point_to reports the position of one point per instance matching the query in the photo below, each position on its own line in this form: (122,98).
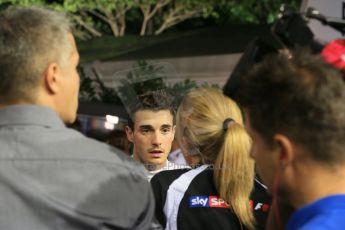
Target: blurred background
(130,46)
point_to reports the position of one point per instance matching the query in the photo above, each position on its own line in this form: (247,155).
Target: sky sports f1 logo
(207,202)
(216,202)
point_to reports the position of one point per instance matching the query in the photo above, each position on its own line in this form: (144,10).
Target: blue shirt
(325,214)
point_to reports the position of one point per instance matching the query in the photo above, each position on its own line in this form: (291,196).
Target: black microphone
(335,23)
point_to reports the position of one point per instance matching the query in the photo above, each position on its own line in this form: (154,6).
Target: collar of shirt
(29,115)
(325,205)
(150,174)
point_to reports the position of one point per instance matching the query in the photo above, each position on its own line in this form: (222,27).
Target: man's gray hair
(30,39)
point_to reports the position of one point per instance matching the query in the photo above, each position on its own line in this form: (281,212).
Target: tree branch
(98,15)
(159,5)
(148,13)
(87,27)
(175,17)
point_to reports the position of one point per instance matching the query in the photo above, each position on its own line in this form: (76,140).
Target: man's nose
(157,139)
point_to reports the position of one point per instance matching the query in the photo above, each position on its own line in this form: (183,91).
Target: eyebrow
(150,126)
(145,127)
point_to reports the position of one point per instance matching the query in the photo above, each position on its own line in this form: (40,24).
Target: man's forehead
(153,118)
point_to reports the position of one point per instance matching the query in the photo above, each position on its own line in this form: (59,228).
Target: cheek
(141,141)
(77,81)
(169,139)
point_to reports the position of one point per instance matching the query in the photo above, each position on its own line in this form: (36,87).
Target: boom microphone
(335,23)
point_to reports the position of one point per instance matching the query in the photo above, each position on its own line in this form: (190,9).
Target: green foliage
(23,2)
(144,77)
(97,17)
(141,78)
(251,11)
(26,2)
(178,90)
(93,89)
(181,10)
(102,5)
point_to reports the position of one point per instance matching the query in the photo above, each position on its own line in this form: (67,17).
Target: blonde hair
(200,120)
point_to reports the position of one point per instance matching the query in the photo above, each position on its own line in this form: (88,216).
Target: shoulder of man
(116,186)
(93,150)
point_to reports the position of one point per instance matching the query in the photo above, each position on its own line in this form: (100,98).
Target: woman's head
(200,120)
(210,125)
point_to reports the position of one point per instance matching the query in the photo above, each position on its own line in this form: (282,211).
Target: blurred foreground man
(52,177)
(295,114)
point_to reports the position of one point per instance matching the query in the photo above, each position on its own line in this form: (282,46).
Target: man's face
(70,85)
(263,156)
(152,137)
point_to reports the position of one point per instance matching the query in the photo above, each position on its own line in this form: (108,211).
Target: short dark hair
(301,97)
(152,100)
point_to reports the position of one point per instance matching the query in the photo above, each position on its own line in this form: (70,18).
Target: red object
(334,53)
(216,202)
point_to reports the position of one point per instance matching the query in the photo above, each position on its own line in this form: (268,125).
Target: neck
(18,102)
(151,167)
(315,182)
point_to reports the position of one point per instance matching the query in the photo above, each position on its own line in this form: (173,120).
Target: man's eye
(145,130)
(166,130)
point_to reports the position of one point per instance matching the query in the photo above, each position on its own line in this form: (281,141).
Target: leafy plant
(93,89)
(141,78)
(179,89)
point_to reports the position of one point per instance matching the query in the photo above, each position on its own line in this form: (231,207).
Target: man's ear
(285,150)
(51,78)
(129,133)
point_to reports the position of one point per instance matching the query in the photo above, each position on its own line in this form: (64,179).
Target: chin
(157,161)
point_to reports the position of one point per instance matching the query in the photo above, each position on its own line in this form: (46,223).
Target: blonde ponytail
(234,173)
(212,124)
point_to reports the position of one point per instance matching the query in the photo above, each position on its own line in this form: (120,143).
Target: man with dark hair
(52,177)
(295,114)
(151,129)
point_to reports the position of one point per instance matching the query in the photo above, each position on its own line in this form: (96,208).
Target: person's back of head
(301,97)
(35,42)
(295,112)
(210,124)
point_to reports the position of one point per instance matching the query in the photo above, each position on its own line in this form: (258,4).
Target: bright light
(112,119)
(109,125)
